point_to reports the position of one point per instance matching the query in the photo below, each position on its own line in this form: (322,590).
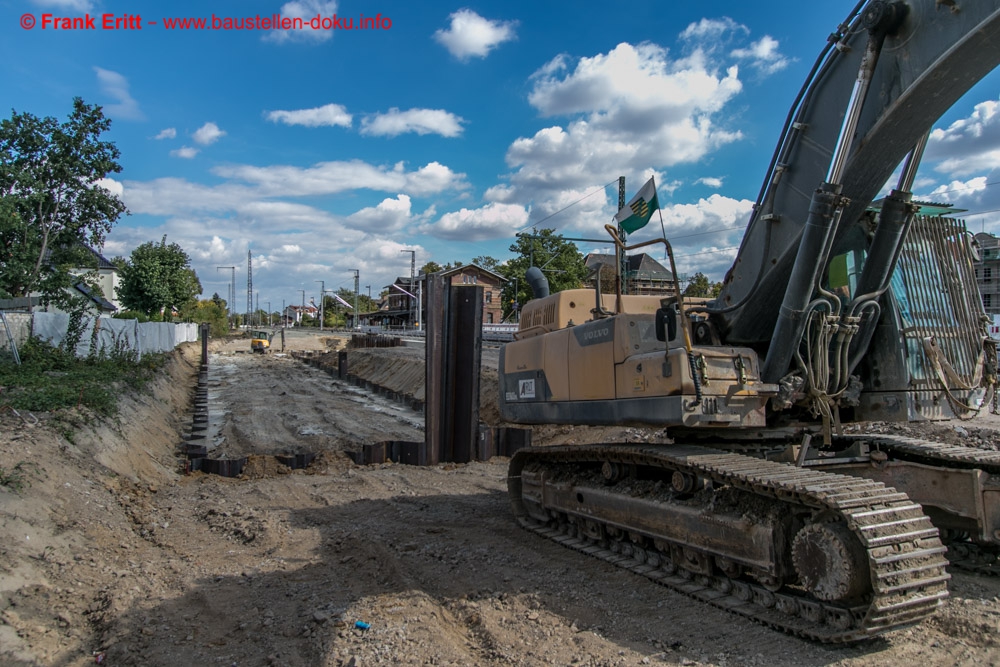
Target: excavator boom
(936,53)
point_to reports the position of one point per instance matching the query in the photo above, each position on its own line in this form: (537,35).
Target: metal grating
(935,287)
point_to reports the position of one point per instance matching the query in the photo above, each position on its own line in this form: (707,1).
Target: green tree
(560,261)
(214,313)
(158,277)
(219,301)
(430,267)
(700,286)
(51,200)
(487,262)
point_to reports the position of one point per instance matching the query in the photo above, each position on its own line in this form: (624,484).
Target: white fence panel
(50,327)
(112,333)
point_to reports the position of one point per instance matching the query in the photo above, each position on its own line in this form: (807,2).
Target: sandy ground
(112,556)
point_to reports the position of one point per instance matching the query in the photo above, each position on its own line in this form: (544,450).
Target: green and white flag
(637,213)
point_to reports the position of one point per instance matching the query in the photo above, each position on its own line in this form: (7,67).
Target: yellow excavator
(842,307)
(260,341)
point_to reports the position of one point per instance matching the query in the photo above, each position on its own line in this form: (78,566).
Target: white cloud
(585,209)
(705,235)
(293,244)
(389,216)
(712,30)
(712,213)
(710,181)
(421,121)
(968,145)
(186,152)
(328,115)
(167,133)
(639,77)
(208,134)
(432,178)
(112,186)
(305,10)
(963,194)
(115,85)
(332,177)
(472,35)
(176,196)
(763,56)
(491,221)
(638,108)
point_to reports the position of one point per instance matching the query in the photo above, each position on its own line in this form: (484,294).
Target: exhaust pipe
(537,281)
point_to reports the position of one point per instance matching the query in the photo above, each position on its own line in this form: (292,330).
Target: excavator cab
(260,341)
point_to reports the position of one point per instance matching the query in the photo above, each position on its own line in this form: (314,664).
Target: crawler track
(902,563)
(963,553)
(935,453)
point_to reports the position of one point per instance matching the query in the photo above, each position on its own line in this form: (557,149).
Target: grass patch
(49,378)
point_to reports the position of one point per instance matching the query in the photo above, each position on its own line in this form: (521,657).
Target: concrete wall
(20,329)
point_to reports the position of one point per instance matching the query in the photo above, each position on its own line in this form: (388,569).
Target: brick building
(405,297)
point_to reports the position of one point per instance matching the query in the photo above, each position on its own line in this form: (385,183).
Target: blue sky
(446,129)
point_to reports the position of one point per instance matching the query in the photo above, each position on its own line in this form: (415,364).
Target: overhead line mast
(249,287)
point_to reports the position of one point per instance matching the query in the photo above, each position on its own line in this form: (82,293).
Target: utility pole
(230,296)
(256,311)
(303,311)
(369,288)
(249,289)
(516,304)
(622,272)
(357,276)
(322,292)
(268,314)
(413,270)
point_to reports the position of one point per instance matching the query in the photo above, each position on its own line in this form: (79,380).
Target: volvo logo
(590,336)
(594,335)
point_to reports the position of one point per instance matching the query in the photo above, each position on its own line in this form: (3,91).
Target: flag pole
(663,230)
(659,210)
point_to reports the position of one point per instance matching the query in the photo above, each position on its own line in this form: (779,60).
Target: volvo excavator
(842,307)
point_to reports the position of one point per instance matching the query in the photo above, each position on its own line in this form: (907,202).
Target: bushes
(50,378)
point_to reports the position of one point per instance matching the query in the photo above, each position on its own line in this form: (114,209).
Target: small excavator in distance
(260,341)
(840,308)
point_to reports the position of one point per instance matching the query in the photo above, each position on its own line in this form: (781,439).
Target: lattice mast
(249,288)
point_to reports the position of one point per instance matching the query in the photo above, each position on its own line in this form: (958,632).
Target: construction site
(115,555)
(798,465)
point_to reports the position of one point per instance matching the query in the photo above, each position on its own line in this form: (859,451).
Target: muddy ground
(112,556)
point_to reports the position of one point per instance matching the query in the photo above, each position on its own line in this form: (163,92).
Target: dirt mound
(87,512)
(398,369)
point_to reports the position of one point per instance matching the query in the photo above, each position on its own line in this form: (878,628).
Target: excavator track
(899,576)
(983,559)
